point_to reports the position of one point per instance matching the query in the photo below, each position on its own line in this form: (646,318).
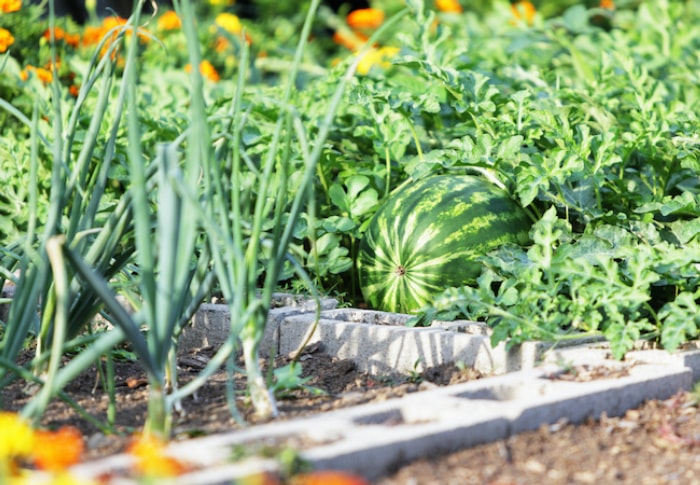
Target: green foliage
(587,117)
(288,378)
(625,284)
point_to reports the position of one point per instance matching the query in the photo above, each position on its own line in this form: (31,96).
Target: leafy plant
(288,378)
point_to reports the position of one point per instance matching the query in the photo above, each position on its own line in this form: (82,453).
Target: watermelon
(427,238)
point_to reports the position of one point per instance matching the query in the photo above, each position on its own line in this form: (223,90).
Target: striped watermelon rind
(427,237)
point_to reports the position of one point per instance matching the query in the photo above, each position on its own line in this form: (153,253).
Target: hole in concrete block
(386,418)
(366,316)
(505,393)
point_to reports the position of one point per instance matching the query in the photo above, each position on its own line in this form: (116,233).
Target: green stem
(387,183)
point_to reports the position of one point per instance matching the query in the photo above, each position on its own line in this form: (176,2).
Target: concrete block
(489,411)
(380,343)
(600,352)
(689,358)
(212,322)
(8,290)
(373,438)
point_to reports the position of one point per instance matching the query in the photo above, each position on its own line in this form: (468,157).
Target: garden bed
(412,410)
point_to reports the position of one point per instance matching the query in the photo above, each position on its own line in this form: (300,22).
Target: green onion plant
(46,310)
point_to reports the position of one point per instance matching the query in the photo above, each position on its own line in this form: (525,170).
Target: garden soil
(657,443)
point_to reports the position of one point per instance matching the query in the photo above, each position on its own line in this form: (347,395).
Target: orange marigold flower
(152,459)
(206,69)
(74,90)
(607,4)
(92,35)
(449,6)
(328,477)
(44,75)
(6,39)
(58,34)
(72,40)
(169,21)
(365,18)
(9,6)
(524,11)
(55,451)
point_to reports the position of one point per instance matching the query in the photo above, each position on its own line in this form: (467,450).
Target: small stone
(585,477)
(97,440)
(535,466)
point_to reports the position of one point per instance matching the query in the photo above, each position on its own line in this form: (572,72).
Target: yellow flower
(17,437)
(450,6)
(607,4)
(376,57)
(8,6)
(62,478)
(229,22)
(152,459)
(169,21)
(365,18)
(6,39)
(523,11)
(55,451)
(111,22)
(68,479)
(222,3)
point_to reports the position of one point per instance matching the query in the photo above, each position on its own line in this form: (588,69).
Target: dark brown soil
(659,442)
(331,384)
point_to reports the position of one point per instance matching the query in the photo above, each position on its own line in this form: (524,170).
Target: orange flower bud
(365,18)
